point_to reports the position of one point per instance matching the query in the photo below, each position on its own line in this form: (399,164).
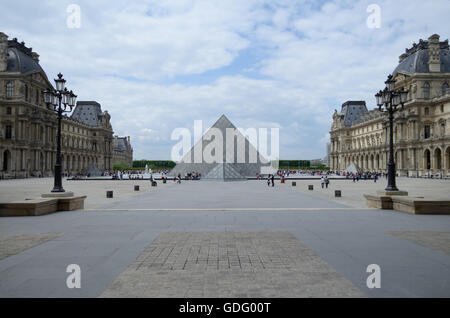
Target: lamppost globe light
(65,96)
(403,95)
(390,83)
(396,99)
(60,83)
(386,96)
(377,97)
(47,96)
(54,100)
(72,97)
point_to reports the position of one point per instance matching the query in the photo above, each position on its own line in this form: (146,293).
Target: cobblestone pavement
(229,264)
(15,244)
(439,241)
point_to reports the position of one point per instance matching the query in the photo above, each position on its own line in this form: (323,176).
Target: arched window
(9,89)
(444,88)
(426,90)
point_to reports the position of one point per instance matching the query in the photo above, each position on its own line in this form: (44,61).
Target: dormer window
(426,90)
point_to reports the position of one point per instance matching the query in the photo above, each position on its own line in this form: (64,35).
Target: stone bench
(378,201)
(32,207)
(41,206)
(420,205)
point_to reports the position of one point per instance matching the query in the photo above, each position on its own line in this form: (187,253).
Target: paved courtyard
(214,239)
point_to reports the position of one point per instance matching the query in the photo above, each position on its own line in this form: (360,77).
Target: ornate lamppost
(391,100)
(60,101)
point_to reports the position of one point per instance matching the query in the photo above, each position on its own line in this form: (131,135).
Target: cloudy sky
(158,65)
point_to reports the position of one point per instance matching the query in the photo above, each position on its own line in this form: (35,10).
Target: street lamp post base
(391,189)
(58,194)
(58,189)
(389,193)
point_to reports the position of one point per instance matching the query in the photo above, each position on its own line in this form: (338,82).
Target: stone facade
(421,130)
(123,152)
(28,129)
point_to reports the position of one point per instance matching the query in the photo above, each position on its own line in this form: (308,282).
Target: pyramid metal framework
(353,168)
(230,168)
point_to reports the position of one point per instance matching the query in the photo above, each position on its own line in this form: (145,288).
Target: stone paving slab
(229,264)
(95,190)
(15,244)
(353,192)
(438,241)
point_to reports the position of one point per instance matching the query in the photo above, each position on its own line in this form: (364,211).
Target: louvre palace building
(28,130)
(421,129)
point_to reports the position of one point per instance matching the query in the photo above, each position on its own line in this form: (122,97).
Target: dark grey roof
(20,59)
(415,59)
(87,112)
(120,144)
(352,111)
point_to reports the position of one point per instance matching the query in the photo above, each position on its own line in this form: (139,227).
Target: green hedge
(154,164)
(295,164)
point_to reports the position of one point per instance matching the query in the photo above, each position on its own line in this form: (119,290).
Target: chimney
(3,52)
(434,63)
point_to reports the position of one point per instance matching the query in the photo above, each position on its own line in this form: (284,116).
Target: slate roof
(415,59)
(87,112)
(20,59)
(120,144)
(352,112)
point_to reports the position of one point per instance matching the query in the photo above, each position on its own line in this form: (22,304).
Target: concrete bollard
(310,187)
(337,193)
(294,184)
(109,194)
(136,188)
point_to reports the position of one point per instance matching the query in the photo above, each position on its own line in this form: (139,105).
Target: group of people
(192,176)
(324,181)
(365,176)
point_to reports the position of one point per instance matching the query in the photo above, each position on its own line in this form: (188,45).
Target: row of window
(9,87)
(426,89)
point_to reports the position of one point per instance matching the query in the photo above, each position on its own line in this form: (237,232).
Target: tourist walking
(273,180)
(326,182)
(322,181)
(268,181)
